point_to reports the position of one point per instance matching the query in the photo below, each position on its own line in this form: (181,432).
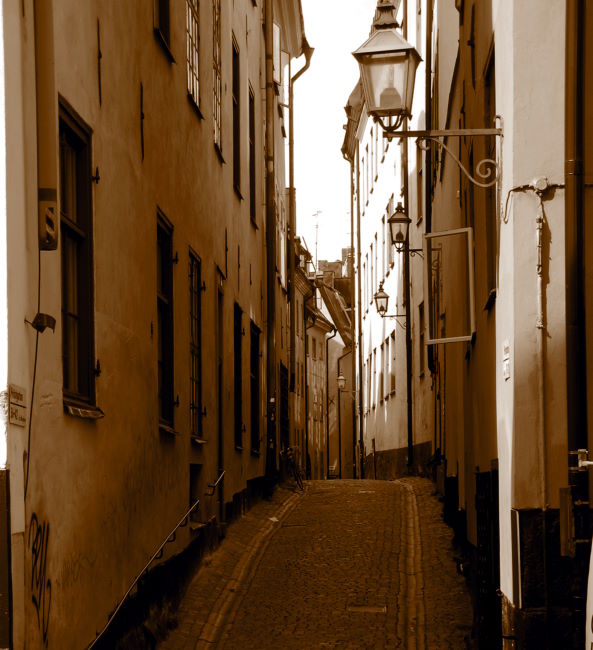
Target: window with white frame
(217,82)
(192,26)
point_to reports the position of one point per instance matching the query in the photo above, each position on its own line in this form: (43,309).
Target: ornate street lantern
(398,227)
(388,66)
(381,299)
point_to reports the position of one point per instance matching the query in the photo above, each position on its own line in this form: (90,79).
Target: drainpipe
(270,472)
(308,52)
(327,340)
(359,315)
(432,349)
(575,300)
(407,280)
(576,370)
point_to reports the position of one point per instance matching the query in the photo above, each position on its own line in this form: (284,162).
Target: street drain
(368,609)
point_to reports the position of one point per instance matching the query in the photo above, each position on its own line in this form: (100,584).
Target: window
(381,385)
(193,50)
(314,348)
(390,211)
(162,22)
(252,179)
(373,268)
(421,326)
(236,118)
(195,347)
(374,386)
(376,154)
(77,261)
(217,87)
(392,362)
(165,319)
(373,159)
(419,185)
(238,376)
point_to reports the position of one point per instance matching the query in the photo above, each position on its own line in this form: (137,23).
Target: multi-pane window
(162,21)
(381,377)
(254,380)
(165,319)
(238,371)
(217,87)
(252,179)
(77,262)
(392,362)
(195,346)
(236,118)
(192,25)
(421,326)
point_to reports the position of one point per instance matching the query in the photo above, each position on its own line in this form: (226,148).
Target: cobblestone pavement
(346,564)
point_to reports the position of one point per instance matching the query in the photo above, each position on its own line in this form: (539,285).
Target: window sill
(163,41)
(81,410)
(239,448)
(237,191)
(198,441)
(194,106)
(254,223)
(490,300)
(219,154)
(255,453)
(167,430)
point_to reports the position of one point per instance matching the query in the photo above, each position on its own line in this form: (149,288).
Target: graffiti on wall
(40,584)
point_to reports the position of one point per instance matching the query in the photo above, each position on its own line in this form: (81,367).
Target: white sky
(335,28)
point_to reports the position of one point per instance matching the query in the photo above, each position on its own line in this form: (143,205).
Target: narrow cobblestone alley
(346,564)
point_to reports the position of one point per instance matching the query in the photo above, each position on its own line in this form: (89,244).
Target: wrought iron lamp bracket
(485,168)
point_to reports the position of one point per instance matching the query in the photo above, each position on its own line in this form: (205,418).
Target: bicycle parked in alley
(291,466)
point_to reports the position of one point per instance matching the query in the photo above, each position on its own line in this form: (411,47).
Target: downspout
(308,52)
(352,323)
(270,471)
(407,280)
(576,374)
(305,328)
(343,356)
(432,349)
(327,340)
(576,369)
(359,303)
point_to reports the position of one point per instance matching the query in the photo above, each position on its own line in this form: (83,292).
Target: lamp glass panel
(385,78)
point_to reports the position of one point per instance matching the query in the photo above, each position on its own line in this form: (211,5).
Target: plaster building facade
(499,307)
(143,310)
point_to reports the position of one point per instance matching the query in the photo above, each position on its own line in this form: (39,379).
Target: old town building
(144,326)
(496,305)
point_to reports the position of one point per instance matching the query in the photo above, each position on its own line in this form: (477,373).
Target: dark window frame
(196,414)
(252,160)
(236,100)
(217,75)
(254,386)
(162,26)
(78,229)
(165,326)
(238,374)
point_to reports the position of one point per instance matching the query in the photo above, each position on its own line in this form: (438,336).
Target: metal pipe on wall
(327,340)
(270,471)
(308,52)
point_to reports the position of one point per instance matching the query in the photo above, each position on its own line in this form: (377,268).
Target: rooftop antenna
(316,216)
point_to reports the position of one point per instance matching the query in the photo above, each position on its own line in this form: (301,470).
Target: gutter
(327,340)
(308,52)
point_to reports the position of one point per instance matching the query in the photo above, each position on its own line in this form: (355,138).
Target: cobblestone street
(346,564)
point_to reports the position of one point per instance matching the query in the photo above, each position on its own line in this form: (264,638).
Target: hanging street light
(388,65)
(381,299)
(398,227)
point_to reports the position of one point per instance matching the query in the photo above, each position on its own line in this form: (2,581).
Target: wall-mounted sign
(17,405)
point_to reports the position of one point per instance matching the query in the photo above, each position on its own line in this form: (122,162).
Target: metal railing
(213,486)
(156,555)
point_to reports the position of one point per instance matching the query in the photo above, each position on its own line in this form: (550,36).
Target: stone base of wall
(550,590)
(393,463)
(144,618)
(5,571)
